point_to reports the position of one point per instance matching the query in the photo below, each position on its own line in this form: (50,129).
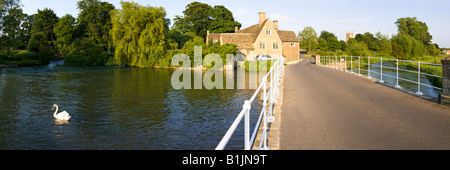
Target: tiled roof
(287,36)
(245,38)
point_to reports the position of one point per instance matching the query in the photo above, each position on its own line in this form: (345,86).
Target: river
(392,80)
(113,108)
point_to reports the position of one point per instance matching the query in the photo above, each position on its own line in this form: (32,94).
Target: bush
(86,53)
(358,49)
(38,43)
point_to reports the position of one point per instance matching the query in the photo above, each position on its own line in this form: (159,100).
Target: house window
(292,44)
(275,45)
(262,45)
(267,32)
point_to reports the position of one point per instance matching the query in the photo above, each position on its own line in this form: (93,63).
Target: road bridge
(326,108)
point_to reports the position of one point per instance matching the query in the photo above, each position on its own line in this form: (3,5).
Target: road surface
(325,108)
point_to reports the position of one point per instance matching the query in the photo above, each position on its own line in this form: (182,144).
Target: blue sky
(335,16)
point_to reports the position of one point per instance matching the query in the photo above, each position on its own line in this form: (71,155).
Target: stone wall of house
(269,41)
(291,52)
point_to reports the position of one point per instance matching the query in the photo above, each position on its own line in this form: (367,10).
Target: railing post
(418,81)
(351,64)
(381,71)
(263,137)
(335,62)
(397,86)
(345,63)
(247,125)
(359,65)
(368,64)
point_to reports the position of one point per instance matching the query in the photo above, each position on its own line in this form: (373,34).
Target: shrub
(84,52)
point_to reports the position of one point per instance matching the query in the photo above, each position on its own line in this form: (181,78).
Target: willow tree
(139,34)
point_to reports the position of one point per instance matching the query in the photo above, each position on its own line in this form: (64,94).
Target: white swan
(61,116)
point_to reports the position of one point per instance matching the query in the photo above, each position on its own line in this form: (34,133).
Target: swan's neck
(56,111)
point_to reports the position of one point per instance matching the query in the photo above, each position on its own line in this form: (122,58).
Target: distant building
(348,36)
(261,38)
(446,51)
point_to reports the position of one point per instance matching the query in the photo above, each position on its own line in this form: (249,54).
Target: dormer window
(267,32)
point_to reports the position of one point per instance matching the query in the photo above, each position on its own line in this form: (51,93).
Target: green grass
(254,65)
(20,57)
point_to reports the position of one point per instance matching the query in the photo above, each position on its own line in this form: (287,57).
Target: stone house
(446,51)
(261,38)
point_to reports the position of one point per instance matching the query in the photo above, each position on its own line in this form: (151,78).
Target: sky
(336,16)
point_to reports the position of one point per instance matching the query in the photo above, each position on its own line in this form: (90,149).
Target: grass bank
(21,58)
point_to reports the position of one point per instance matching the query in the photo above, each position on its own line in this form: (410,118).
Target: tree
(222,20)
(44,21)
(39,43)
(383,44)
(356,48)
(5,5)
(94,22)
(331,39)
(85,52)
(64,31)
(25,30)
(411,47)
(11,27)
(308,38)
(139,34)
(196,19)
(417,29)
(323,44)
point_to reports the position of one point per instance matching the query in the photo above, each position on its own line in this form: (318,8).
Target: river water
(113,108)
(389,77)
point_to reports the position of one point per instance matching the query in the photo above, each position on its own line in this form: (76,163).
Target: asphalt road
(325,108)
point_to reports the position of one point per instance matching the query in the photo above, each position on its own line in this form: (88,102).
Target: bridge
(325,108)
(331,109)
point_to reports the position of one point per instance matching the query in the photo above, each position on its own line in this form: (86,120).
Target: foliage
(25,31)
(331,39)
(179,37)
(308,38)
(44,21)
(94,22)
(11,27)
(7,6)
(410,47)
(39,43)
(199,17)
(368,39)
(64,31)
(222,20)
(384,44)
(85,52)
(322,44)
(196,19)
(20,57)
(417,29)
(356,48)
(139,34)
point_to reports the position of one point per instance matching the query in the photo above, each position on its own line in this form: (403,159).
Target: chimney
(236,29)
(275,25)
(262,17)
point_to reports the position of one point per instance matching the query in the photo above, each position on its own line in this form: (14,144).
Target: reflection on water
(113,108)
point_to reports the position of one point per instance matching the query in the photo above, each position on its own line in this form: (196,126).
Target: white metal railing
(352,63)
(269,96)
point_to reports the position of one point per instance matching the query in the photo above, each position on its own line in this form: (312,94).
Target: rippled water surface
(112,108)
